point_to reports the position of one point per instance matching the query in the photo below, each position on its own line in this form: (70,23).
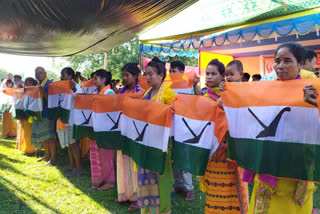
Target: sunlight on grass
(28,187)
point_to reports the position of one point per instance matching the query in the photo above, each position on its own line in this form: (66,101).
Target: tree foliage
(52,75)
(117,58)
(3,73)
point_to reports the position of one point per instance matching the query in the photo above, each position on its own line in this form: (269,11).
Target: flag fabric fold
(106,113)
(143,83)
(145,130)
(88,86)
(17,100)
(179,83)
(32,102)
(196,136)
(6,99)
(82,116)
(59,101)
(272,130)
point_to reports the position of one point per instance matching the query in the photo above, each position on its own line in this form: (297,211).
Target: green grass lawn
(28,187)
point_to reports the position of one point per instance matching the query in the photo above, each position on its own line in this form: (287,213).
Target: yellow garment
(307,74)
(25,144)
(165,95)
(9,126)
(85,147)
(281,200)
(43,83)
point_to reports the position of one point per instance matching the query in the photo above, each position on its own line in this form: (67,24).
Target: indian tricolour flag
(199,125)
(145,130)
(88,86)
(272,130)
(179,83)
(32,102)
(107,111)
(17,99)
(82,116)
(6,99)
(59,101)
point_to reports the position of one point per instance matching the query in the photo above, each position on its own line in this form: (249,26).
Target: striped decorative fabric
(145,129)
(82,116)
(196,135)
(32,102)
(59,101)
(272,130)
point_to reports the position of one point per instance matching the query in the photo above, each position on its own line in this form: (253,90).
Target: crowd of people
(225,183)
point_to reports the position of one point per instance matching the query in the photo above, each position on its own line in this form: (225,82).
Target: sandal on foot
(106,186)
(190,196)
(133,207)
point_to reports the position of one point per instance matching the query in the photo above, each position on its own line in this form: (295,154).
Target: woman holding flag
(64,130)
(283,195)
(154,193)
(127,182)
(225,190)
(102,164)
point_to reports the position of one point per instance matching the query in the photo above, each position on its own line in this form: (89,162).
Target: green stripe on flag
(281,159)
(20,114)
(81,132)
(145,156)
(108,140)
(56,112)
(36,114)
(190,158)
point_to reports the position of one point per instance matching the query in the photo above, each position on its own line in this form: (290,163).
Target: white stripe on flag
(32,104)
(155,136)
(66,101)
(242,123)
(182,90)
(88,90)
(181,132)
(18,103)
(102,123)
(81,117)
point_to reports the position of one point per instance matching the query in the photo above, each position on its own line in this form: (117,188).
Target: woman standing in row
(154,194)
(127,181)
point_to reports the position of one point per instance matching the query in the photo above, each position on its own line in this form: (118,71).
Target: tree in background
(117,58)
(3,73)
(52,75)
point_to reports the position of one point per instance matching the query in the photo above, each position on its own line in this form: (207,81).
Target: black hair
(9,81)
(238,64)
(218,64)
(257,76)
(104,74)
(246,75)
(309,54)
(17,76)
(69,71)
(296,49)
(92,75)
(159,66)
(132,68)
(178,64)
(30,79)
